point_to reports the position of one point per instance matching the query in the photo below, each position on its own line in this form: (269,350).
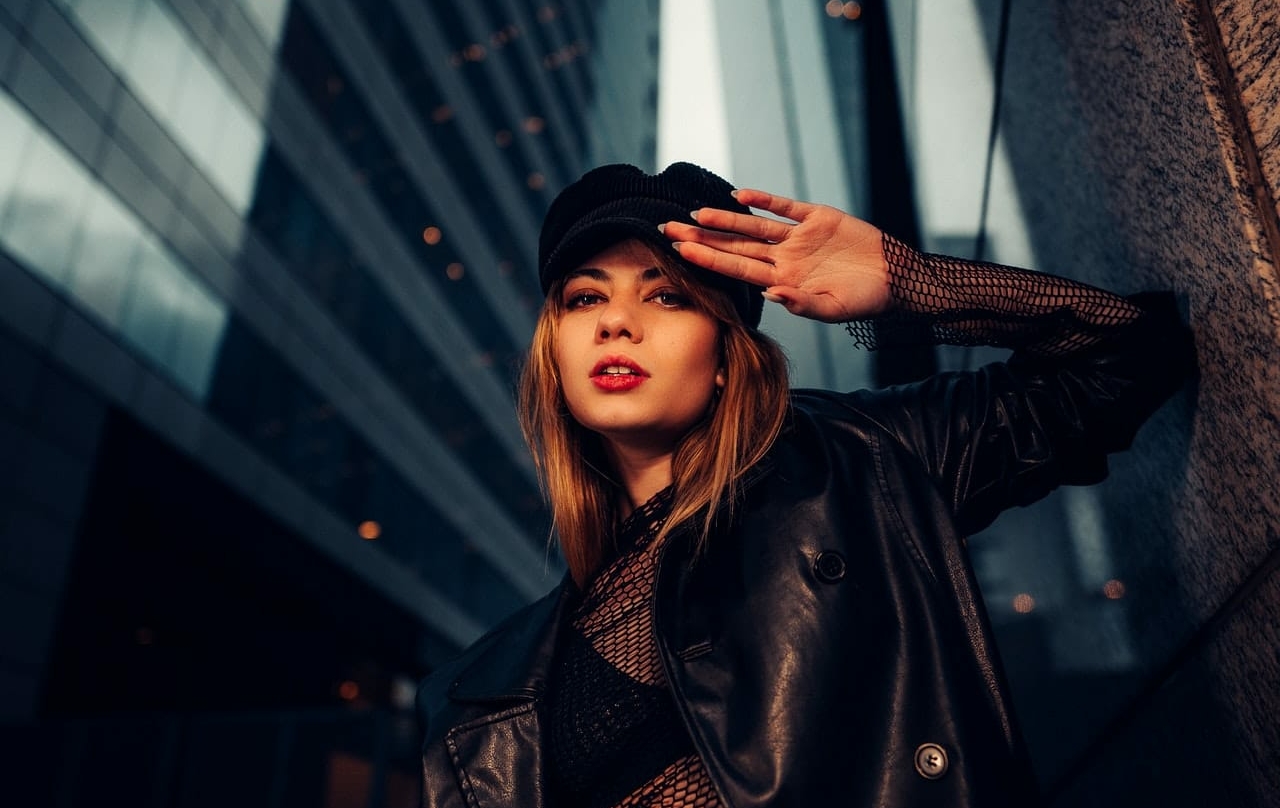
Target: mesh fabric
(939,300)
(615,738)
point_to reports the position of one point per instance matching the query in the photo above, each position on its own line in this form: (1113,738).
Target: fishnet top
(939,300)
(615,738)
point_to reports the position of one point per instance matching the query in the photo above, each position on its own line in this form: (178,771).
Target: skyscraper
(266,270)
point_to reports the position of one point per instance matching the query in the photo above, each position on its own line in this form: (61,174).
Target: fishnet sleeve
(939,300)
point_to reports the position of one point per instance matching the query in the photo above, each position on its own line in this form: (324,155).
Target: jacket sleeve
(1088,369)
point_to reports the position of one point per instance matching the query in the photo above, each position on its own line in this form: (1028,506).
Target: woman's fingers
(751,270)
(760,228)
(785,207)
(746,224)
(718,240)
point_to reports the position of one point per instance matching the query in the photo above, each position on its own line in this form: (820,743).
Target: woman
(768,600)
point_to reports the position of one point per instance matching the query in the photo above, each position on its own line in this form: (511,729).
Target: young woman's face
(638,364)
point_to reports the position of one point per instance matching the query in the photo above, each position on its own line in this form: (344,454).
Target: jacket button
(931,761)
(829,566)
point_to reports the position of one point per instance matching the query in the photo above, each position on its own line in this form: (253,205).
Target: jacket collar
(512,662)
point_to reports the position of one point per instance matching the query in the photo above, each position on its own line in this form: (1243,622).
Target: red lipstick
(617,373)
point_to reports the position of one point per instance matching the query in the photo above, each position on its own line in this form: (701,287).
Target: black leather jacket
(830,646)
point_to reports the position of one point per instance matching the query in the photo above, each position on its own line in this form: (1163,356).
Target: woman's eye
(579,299)
(672,300)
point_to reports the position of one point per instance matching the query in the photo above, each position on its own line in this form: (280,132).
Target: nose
(619,320)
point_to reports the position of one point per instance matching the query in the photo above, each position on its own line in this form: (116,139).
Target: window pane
(105,256)
(156,61)
(237,156)
(200,325)
(110,26)
(222,137)
(40,223)
(198,114)
(154,299)
(15,133)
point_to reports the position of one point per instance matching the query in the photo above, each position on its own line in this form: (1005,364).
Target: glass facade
(266,273)
(160,64)
(62,223)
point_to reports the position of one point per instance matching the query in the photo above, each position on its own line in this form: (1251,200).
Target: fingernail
(675,245)
(662,228)
(772,298)
(693,214)
(734,193)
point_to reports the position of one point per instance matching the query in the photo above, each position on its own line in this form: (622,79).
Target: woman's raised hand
(823,264)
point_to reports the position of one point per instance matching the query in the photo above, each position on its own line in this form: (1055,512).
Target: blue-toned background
(267,270)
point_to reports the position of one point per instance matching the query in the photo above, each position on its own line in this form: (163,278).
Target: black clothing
(614,737)
(829,647)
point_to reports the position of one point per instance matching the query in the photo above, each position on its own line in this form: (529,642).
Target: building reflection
(267,273)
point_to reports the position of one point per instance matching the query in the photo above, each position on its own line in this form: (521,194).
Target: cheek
(570,381)
(707,359)
(561,354)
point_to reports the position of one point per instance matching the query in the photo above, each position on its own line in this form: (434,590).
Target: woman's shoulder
(879,416)
(864,406)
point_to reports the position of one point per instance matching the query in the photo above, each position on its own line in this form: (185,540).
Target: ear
(721,379)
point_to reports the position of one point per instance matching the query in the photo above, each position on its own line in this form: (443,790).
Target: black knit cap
(617,202)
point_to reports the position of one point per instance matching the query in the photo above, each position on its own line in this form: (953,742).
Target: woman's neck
(641,473)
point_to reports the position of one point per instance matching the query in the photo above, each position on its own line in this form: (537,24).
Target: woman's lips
(618,381)
(617,373)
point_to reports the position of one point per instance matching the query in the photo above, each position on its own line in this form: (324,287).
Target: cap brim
(579,246)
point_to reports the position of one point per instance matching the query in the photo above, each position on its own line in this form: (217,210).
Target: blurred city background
(267,268)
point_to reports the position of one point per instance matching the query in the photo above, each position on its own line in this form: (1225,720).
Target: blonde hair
(709,460)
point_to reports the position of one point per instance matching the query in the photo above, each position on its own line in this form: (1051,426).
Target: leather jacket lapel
(497,755)
(516,668)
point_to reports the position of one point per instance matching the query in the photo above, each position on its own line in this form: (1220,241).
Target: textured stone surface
(1237,52)
(1132,175)
(1250,32)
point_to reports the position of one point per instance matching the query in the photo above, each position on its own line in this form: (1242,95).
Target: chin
(633,431)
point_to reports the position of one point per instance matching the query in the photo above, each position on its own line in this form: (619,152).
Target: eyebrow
(596,274)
